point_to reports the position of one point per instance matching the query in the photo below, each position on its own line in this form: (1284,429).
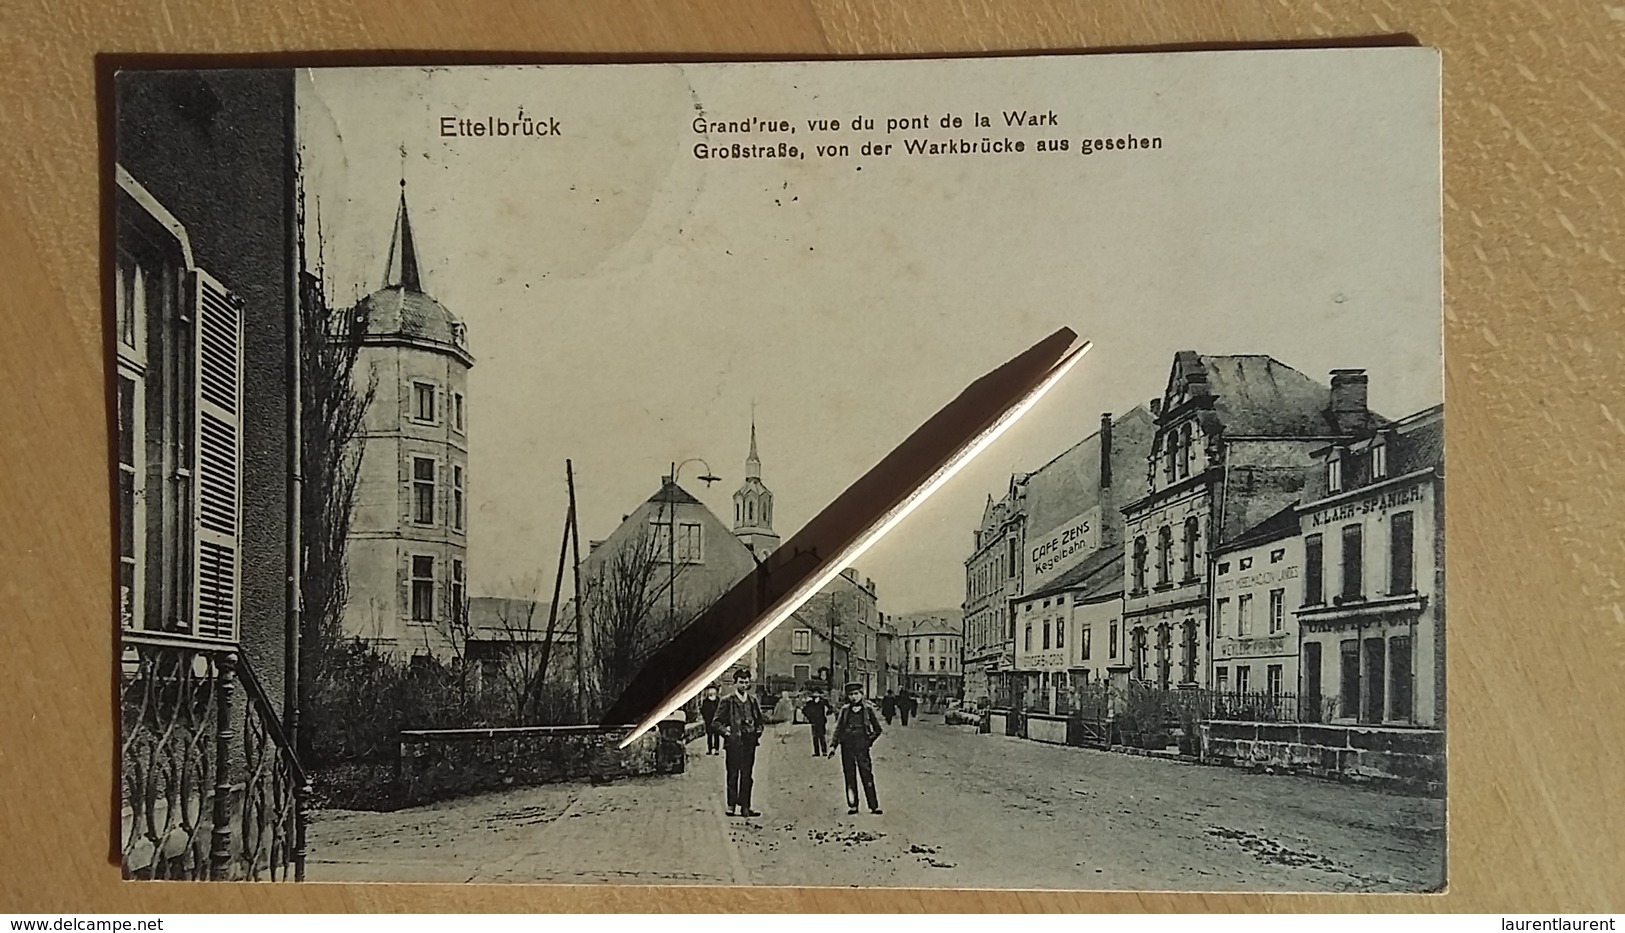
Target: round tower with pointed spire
(753,505)
(406,563)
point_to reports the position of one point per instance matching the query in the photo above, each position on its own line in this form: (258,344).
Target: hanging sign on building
(1061,549)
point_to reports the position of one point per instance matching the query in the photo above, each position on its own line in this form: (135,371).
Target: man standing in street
(856,728)
(905,705)
(739,716)
(817,712)
(708,712)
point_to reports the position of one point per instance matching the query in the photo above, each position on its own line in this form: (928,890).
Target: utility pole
(832,625)
(581,631)
(671,551)
(553,607)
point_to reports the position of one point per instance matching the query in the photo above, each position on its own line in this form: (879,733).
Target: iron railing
(1185,705)
(211,788)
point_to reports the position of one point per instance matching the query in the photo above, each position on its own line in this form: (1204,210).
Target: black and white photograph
(447,396)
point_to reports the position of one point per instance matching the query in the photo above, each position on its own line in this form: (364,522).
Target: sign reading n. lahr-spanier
(1059,550)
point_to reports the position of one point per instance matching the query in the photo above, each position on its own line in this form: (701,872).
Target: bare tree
(525,648)
(333,404)
(630,611)
(454,632)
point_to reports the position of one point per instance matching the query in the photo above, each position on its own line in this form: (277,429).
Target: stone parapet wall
(1406,759)
(435,764)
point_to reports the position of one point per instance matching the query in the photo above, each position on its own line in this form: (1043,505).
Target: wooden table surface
(1535,302)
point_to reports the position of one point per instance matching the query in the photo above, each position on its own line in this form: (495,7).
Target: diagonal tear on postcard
(447,396)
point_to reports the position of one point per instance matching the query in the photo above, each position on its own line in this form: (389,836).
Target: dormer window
(1334,472)
(1379,459)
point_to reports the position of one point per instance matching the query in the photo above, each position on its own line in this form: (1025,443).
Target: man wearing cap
(739,718)
(817,711)
(856,728)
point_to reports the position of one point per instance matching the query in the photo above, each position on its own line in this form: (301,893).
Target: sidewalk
(666,829)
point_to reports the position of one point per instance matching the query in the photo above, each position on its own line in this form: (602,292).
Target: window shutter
(218,449)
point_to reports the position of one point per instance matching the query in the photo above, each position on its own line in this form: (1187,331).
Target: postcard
(448,395)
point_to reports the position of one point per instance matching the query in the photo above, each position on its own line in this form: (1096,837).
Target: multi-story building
(931,648)
(992,579)
(1257,589)
(1372,612)
(1233,446)
(407,559)
(890,658)
(1066,631)
(205,285)
(837,633)
(1072,504)
(666,561)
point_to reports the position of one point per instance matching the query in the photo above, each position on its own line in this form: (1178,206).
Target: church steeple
(753,463)
(402,270)
(753,504)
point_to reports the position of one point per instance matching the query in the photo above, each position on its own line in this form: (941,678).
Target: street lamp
(671,531)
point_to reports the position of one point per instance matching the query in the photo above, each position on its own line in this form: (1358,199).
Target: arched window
(750,510)
(767,511)
(1165,646)
(1171,451)
(1185,451)
(739,512)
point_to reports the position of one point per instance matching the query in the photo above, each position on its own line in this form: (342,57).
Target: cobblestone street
(961,810)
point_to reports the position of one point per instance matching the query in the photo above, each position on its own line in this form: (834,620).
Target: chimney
(1105,450)
(1349,398)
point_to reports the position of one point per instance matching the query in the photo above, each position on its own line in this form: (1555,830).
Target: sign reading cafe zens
(1059,550)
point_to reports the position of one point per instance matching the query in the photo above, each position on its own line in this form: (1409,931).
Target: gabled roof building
(1233,446)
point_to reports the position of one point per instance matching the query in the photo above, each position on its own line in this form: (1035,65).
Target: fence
(210,786)
(1084,701)
(1270,707)
(1148,704)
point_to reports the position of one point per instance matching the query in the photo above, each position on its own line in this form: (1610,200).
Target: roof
(1283,524)
(1258,395)
(401,308)
(396,310)
(671,492)
(935,625)
(1418,441)
(506,619)
(1414,443)
(1095,576)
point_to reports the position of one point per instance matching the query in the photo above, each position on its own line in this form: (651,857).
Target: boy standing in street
(856,728)
(817,712)
(739,717)
(708,712)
